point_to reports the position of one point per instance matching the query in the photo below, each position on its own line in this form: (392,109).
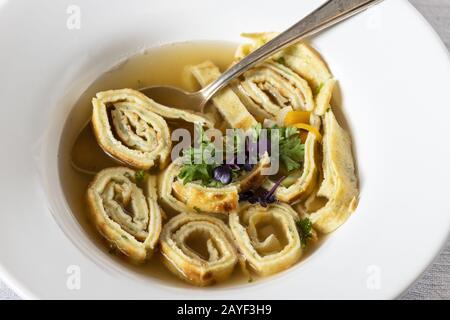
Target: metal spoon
(327,15)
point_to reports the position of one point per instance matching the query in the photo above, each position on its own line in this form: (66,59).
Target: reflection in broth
(87,156)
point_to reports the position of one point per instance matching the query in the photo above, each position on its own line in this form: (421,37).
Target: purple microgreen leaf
(253,200)
(222,174)
(270,194)
(245,196)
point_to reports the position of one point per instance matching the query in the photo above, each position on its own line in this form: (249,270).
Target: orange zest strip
(293,117)
(309,128)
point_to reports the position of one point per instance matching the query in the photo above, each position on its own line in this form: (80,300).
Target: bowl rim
(11,280)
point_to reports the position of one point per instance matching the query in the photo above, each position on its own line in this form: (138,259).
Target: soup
(204,223)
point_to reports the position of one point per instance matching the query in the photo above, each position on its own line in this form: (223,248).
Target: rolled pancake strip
(265,252)
(306,62)
(193,197)
(303,60)
(126,215)
(226,101)
(178,239)
(324,96)
(306,183)
(340,184)
(131,127)
(271,87)
(303,185)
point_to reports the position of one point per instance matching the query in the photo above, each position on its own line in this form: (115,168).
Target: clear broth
(165,65)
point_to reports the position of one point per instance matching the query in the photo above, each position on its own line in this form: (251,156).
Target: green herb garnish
(291,149)
(304,228)
(139,176)
(197,210)
(318,89)
(194,167)
(281,60)
(194,172)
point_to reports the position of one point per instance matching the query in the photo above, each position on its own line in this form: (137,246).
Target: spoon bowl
(175,97)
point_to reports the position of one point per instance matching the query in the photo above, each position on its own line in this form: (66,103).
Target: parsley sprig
(193,170)
(304,228)
(139,176)
(291,148)
(196,172)
(291,154)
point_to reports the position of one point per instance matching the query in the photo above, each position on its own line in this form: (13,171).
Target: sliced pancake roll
(198,248)
(131,127)
(339,186)
(300,183)
(307,63)
(123,206)
(301,59)
(195,197)
(270,87)
(226,101)
(267,237)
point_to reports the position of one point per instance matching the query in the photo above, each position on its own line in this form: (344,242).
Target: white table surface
(435,282)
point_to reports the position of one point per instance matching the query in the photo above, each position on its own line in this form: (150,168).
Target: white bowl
(393,74)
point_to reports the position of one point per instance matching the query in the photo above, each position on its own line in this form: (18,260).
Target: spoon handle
(329,14)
